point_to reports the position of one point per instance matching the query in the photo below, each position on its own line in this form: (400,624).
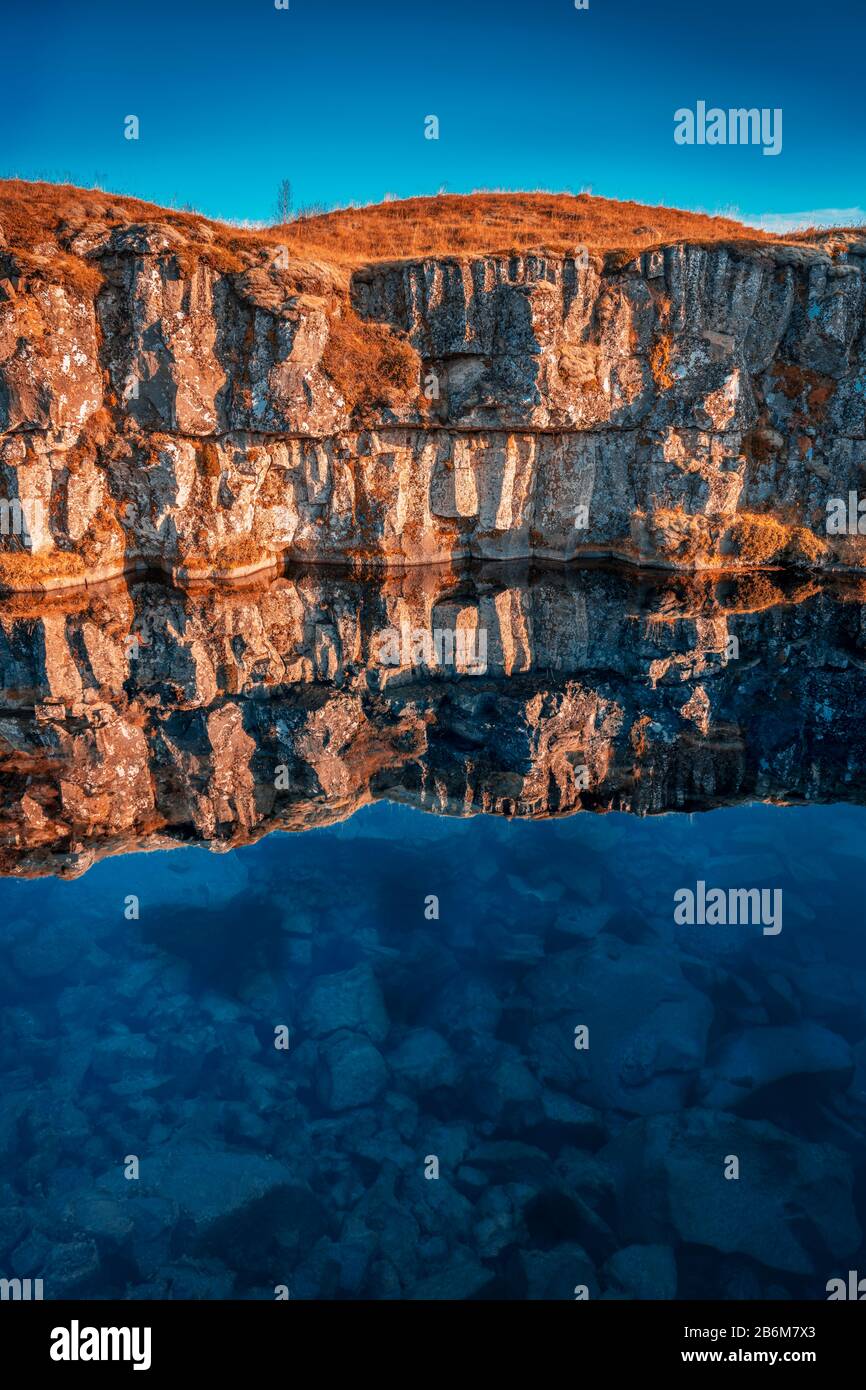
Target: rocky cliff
(173,400)
(140,716)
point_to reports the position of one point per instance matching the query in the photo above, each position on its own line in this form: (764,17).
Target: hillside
(40,220)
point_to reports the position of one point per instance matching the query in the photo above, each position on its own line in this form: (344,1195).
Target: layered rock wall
(698,406)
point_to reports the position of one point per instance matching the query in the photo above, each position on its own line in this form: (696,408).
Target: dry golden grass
(370,366)
(21,569)
(479,223)
(763,539)
(704,595)
(37,218)
(224,556)
(758,538)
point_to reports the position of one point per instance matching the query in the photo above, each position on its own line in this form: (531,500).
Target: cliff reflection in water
(141,717)
(432,969)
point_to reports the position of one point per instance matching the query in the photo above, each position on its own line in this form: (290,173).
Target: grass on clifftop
(479,223)
(37,218)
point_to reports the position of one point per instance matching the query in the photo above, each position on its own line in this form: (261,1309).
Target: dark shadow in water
(225,950)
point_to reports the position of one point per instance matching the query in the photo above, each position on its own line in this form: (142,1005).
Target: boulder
(424,1061)
(228,1200)
(351,1071)
(758,1057)
(791,1208)
(560,1273)
(642,1271)
(349,1000)
(647,1026)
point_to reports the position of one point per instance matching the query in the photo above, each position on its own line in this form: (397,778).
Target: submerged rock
(351,1000)
(642,1271)
(762,1056)
(351,1071)
(423,1061)
(647,1027)
(563,1273)
(230,1199)
(791,1198)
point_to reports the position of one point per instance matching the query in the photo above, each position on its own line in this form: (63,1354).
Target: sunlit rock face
(697,407)
(139,715)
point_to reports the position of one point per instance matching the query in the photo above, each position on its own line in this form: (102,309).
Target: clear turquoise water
(414,1037)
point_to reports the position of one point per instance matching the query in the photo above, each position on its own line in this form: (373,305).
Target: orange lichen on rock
(660,361)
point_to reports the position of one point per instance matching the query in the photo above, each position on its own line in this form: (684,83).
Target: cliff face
(162,405)
(138,716)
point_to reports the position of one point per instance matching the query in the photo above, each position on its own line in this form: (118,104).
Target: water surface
(509,1071)
(451,1038)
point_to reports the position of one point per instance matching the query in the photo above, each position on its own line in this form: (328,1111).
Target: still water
(465,1051)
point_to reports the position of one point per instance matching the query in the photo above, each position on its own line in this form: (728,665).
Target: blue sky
(234,95)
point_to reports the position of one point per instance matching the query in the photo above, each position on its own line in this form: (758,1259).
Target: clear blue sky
(234,95)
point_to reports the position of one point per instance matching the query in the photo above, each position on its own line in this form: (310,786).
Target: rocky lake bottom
(337,963)
(332,1092)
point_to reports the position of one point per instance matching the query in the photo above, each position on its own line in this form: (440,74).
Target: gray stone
(351,999)
(561,1273)
(792,1198)
(423,1061)
(229,1199)
(642,1272)
(464,1277)
(647,1027)
(761,1056)
(351,1071)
